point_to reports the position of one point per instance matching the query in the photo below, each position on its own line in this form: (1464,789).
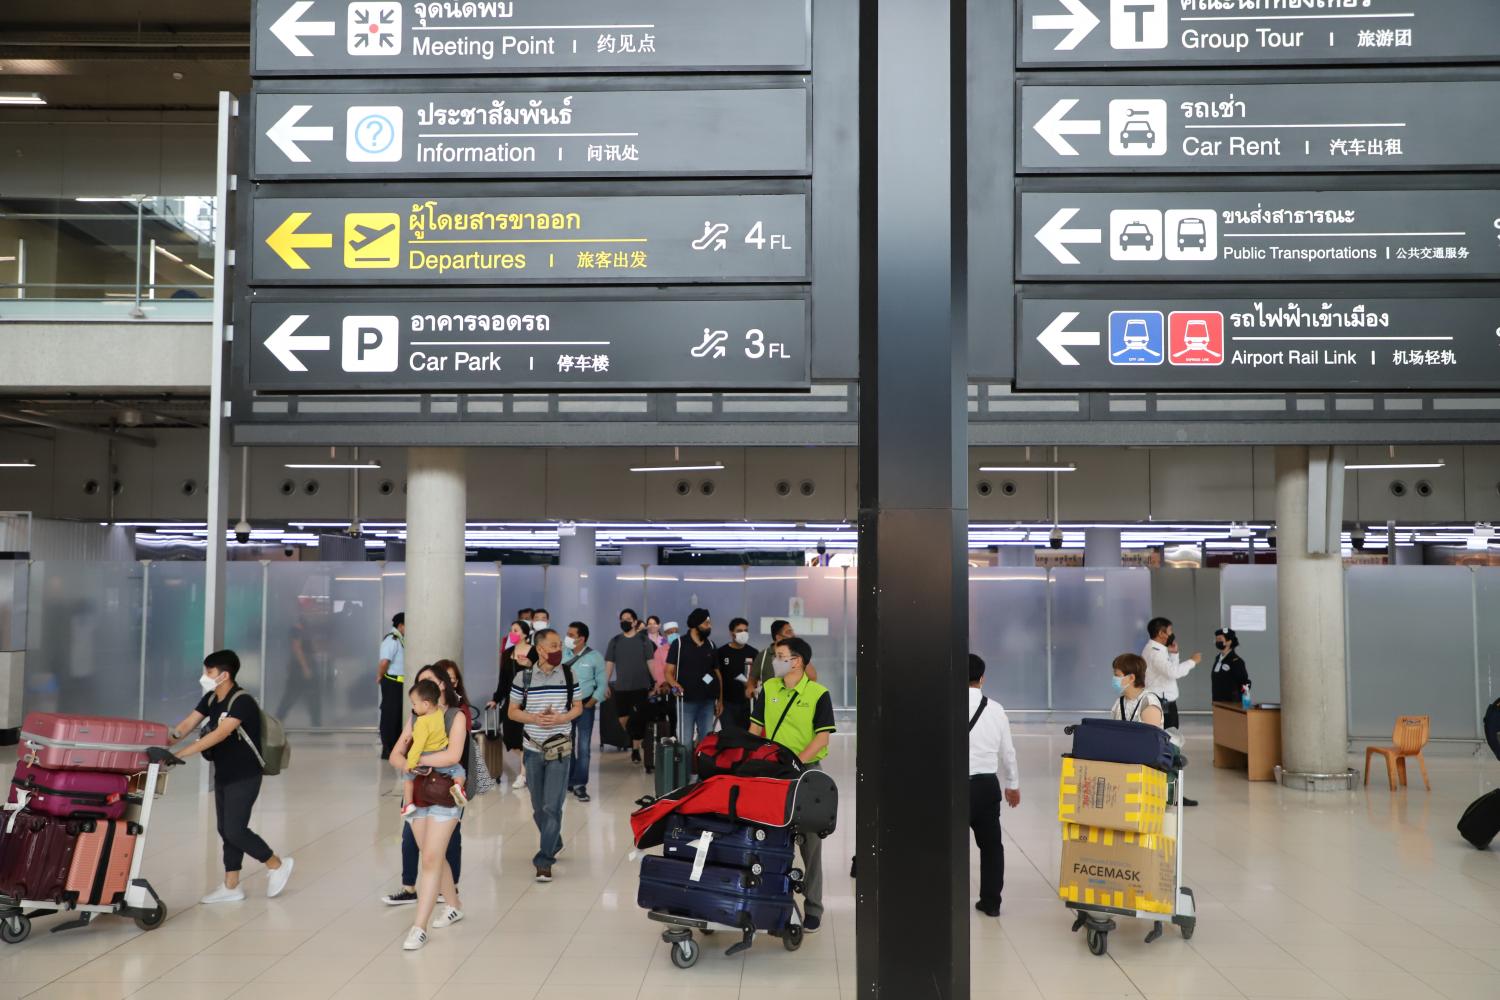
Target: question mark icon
(374,134)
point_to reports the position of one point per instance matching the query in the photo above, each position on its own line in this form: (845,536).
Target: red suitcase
(101,861)
(97,794)
(88,742)
(36,856)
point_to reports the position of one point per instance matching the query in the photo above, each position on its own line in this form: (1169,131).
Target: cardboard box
(1099,794)
(1127,871)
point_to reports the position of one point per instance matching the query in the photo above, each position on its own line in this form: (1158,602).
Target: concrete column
(569,583)
(1310,599)
(1101,547)
(436,509)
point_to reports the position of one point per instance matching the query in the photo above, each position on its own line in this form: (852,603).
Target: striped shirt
(548,688)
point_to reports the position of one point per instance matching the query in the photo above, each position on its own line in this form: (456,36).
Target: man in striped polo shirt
(545,699)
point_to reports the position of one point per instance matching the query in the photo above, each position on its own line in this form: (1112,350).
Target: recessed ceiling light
(717,466)
(1028,468)
(24,463)
(15,98)
(333,465)
(1395,465)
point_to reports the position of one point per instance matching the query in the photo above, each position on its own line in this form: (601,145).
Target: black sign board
(529,344)
(1326,126)
(1247,32)
(1140,342)
(382,37)
(1260,235)
(532,239)
(703,131)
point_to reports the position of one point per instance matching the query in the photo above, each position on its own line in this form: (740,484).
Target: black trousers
(984,820)
(392,714)
(1170,718)
(233,802)
(411,857)
(302,690)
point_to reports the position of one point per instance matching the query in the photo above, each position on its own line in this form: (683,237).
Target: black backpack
(1492,727)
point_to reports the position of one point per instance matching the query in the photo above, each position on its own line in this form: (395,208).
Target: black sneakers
(403,897)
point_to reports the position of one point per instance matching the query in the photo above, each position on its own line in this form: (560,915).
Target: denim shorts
(442,814)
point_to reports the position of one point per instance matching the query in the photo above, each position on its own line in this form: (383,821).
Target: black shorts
(629,703)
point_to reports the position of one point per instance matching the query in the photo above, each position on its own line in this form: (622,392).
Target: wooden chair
(1409,737)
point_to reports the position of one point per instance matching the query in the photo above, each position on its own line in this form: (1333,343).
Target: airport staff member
(992,757)
(796,711)
(1230,677)
(1163,668)
(392,674)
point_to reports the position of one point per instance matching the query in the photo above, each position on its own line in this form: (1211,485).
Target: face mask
(538,624)
(1220,646)
(553,659)
(626,626)
(569,643)
(742,637)
(782,667)
(705,632)
(207,683)
(1119,683)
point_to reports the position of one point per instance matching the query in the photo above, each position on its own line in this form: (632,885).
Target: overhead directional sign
(529,343)
(534,239)
(381,37)
(1260,235)
(1141,342)
(1249,32)
(1326,126)
(703,131)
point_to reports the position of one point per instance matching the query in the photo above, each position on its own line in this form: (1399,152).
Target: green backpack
(274,753)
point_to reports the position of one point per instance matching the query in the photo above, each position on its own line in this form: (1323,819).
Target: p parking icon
(371,343)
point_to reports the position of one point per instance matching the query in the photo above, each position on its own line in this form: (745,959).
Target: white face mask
(538,624)
(569,643)
(782,667)
(207,683)
(742,637)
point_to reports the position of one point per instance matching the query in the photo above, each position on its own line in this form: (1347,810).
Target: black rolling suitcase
(611,732)
(1492,727)
(1123,742)
(1481,821)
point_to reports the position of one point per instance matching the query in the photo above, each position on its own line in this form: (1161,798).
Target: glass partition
(1487,632)
(84,638)
(1254,586)
(1008,626)
(1096,615)
(324,623)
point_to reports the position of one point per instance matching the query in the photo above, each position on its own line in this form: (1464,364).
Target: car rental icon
(1135,234)
(1138,132)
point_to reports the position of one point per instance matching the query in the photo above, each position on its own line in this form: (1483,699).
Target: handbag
(557,747)
(429,788)
(478,779)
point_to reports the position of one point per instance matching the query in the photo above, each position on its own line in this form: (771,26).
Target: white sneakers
(520,783)
(278,878)
(448,917)
(224,894)
(415,939)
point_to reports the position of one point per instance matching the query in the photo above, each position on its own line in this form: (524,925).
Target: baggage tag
(701,846)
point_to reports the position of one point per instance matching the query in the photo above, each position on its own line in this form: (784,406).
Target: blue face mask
(1119,683)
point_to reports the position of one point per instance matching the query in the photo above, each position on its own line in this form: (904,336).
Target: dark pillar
(912,915)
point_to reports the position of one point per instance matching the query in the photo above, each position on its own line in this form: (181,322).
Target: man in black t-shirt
(231,739)
(736,663)
(693,670)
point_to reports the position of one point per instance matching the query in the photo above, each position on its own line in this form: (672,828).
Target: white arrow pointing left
(1077,22)
(285,341)
(291,29)
(1057,338)
(1055,235)
(1054,125)
(286,133)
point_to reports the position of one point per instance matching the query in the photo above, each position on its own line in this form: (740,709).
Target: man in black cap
(693,671)
(392,674)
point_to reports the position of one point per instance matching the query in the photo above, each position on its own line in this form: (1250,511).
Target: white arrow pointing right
(1055,235)
(290,28)
(285,341)
(286,133)
(1054,125)
(1057,338)
(1077,22)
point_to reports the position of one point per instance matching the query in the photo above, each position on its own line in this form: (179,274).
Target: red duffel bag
(736,752)
(809,802)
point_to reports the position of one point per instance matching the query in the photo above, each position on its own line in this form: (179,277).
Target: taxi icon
(1136,234)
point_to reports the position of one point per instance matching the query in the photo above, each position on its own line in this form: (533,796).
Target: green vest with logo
(789,713)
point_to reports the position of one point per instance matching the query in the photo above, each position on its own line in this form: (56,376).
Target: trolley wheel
(1098,941)
(152,919)
(15,928)
(1188,926)
(685,953)
(791,938)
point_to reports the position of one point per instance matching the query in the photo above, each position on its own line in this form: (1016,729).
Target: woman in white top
(1134,703)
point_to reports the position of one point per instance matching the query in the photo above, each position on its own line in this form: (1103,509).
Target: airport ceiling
(125,55)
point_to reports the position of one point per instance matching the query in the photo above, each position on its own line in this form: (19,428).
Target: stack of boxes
(1115,851)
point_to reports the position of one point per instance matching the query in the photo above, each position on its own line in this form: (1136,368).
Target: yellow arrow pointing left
(286,241)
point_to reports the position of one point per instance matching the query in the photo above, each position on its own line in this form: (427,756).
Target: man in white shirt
(1164,670)
(992,756)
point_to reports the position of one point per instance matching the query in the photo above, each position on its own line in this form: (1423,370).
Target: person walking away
(736,664)
(693,671)
(309,653)
(992,767)
(432,827)
(511,732)
(1230,676)
(1164,669)
(628,677)
(587,667)
(796,711)
(765,663)
(392,674)
(230,740)
(544,698)
(410,856)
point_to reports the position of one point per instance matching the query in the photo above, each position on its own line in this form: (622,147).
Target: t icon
(371,343)
(1138,24)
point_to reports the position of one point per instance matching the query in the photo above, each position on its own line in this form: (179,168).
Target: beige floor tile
(85,991)
(1279,983)
(1455,986)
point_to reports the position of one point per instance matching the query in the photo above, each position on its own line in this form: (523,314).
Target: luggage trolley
(1097,921)
(140,903)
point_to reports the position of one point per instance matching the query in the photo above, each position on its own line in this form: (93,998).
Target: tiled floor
(1362,896)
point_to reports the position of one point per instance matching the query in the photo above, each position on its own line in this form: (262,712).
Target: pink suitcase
(101,862)
(65,794)
(88,742)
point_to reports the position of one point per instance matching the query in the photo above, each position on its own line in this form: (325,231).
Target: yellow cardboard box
(1129,797)
(1128,871)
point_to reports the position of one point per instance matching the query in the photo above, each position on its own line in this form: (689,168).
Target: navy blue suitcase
(1124,743)
(721,895)
(758,849)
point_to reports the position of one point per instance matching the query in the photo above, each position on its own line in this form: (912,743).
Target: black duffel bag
(1123,743)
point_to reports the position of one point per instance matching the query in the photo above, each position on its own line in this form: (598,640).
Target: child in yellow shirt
(428,735)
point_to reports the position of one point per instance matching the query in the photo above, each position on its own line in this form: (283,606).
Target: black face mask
(705,632)
(626,626)
(1220,646)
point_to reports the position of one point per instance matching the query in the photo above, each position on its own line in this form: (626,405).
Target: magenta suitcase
(88,742)
(36,856)
(67,794)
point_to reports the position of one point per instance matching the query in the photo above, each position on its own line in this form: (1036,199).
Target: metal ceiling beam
(57,425)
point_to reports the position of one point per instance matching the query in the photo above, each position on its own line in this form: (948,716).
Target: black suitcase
(611,732)
(759,850)
(728,896)
(1492,727)
(1123,743)
(1481,821)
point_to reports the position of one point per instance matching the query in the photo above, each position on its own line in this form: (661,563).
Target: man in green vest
(796,711)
